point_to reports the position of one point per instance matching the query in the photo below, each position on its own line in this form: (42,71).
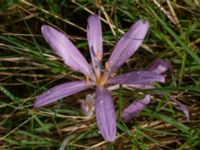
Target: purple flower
(158,66)
(125,48)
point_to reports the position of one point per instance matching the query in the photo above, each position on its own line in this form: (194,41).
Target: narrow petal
(159,66)
(137,78)
(64,48)
(94,36)
(105,114)
(140,86)
(135,108)
(61,91)
(128,44)
(182,107)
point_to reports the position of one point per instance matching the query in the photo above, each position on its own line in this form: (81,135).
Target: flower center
(101,80)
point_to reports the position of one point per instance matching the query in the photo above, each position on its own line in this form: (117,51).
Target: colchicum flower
(158,66)
(94,76)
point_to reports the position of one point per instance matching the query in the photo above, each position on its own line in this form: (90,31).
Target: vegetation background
(28,67)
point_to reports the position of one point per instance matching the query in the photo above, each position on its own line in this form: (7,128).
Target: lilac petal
(128,45)
(181,107)
(61,91)
(140,86)
(105,114)
(159,66)
(64,48)
(137,78)
(135,108)
(94,36)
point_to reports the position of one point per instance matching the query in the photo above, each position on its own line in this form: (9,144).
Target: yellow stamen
(113,74)
(98,56)
(107,66)
(87,80)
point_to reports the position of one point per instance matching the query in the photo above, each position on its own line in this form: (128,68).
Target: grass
(28,67)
